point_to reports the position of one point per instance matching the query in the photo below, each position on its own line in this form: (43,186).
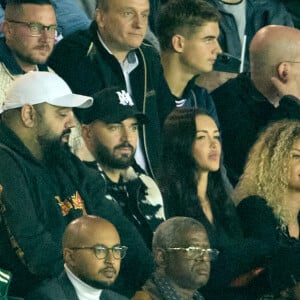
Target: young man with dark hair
(188,31)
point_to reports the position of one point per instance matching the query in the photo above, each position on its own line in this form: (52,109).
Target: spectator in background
(52,188)
(92,253)
(110,129)
(70,17)
(268,201)
(182,254)
(187,31)
(293,8)
(246,104)
(112,53)
(241,19)
(29,30)
(244,18)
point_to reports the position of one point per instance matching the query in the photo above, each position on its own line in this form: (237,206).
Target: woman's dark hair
(177,177)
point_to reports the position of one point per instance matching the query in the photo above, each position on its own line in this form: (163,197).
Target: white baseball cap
(39,87)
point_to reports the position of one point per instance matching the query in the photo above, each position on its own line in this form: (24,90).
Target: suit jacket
(61,288)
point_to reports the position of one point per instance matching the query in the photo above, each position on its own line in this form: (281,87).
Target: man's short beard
(104,157)
(97,284)
(31,60)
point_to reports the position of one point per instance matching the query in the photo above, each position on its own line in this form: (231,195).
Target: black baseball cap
(111,105)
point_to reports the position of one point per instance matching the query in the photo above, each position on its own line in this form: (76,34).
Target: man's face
(184,271)
(200,50)
(123,25)
(98,273)
(30,50)
(53,129)
(114,145)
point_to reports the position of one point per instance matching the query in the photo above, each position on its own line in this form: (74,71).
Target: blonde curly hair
(266,173)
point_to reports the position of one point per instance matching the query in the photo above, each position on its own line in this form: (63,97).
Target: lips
(109,272)
(214,155)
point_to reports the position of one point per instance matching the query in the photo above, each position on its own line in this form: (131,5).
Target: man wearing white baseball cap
(45,186)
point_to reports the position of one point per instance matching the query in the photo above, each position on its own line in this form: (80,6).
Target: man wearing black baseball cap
(110,131)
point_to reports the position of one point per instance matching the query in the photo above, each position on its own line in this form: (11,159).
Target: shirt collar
(83,290)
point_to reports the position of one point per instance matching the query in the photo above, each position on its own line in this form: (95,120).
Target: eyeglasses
(193,252)
(101,252)
(36,29)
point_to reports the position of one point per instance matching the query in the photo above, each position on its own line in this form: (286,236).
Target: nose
(213,143)
(140,20)
(109,257)
(70,122)
(126,134)
(203,257)
(217,48)
(45,34)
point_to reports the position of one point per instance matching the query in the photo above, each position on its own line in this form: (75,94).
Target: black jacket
(38,202)
(61,288)
(260,223)
(243,113)
(82,61)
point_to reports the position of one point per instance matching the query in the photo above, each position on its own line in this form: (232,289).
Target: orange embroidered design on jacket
(75,202)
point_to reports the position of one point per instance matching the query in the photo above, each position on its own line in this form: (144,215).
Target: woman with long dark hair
(194,184)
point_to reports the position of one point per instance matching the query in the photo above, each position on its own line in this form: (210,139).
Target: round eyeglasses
(36,29)
(101,252)
(194,252)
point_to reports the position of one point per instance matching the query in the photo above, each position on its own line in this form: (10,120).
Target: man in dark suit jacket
(92,253)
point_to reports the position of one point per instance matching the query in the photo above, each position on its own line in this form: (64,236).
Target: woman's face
(207,146)
(294,166)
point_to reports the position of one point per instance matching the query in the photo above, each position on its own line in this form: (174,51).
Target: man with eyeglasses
(29,34)
(92,253)
(182,255)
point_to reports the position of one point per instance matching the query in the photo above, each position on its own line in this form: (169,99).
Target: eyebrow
(206,131)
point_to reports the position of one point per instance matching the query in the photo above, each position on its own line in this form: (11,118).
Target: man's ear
(283,71)
(68,257)
(178,43)
(5,28)
(160,257)
(86,132)
(28,115)
(100,17)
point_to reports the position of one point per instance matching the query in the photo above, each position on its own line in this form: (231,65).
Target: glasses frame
(122,249)
(211,253)
(51,34)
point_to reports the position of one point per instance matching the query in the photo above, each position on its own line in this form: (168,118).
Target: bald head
(273,53)
(85,241)
(88,230)
(274,44)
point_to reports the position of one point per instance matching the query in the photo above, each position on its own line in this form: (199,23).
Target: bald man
(246,104)
(92,253)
